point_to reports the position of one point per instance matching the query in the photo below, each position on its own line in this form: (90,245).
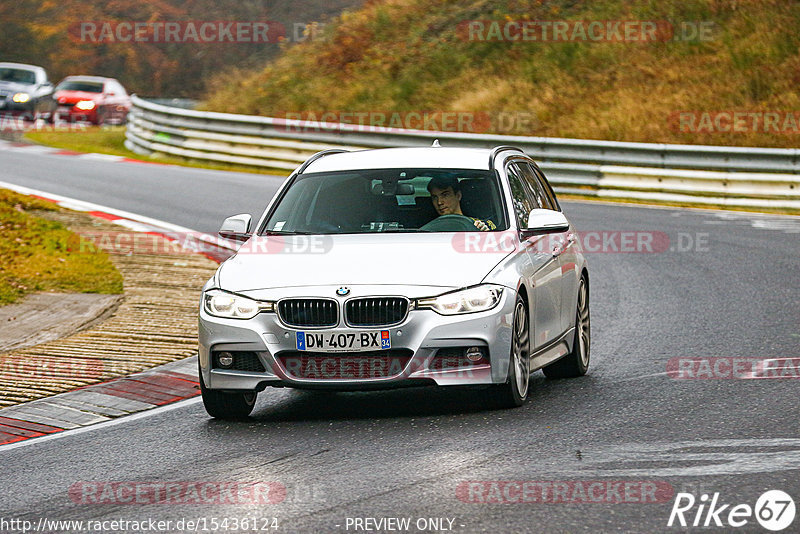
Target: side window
(534,187)
(546,188)
(523,204)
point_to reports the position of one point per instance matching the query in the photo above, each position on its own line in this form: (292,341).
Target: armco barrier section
(733,176)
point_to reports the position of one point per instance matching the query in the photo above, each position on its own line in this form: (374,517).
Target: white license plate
(343,341)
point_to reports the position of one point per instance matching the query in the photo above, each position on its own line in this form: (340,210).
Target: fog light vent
(225,359)
(237,361)
(474,354)
(459,357)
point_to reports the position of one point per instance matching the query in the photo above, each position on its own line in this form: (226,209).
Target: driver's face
(445,201)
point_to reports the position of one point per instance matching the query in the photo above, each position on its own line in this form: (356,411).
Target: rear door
(543,270)
(568,258)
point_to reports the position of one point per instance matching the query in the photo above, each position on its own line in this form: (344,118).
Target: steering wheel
(450,223)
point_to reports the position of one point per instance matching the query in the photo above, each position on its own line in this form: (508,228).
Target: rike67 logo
(774,510)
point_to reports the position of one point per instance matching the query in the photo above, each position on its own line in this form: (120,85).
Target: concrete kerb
(82,400)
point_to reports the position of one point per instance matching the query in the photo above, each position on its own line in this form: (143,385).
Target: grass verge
(37,254)
(415,56)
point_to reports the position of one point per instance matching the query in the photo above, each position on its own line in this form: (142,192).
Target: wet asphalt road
(733,292)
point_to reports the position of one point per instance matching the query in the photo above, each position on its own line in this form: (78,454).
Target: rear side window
(534,187)
(523,201)
(545,187)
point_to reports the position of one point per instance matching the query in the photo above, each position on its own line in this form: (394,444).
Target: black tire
(576,363)
(224,405)
(514,392)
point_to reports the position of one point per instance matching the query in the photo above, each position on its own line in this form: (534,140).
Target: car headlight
(85,105)
(230,306)
(471,300)
(21,98)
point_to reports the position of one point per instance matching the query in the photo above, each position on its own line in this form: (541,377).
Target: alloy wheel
(521,350)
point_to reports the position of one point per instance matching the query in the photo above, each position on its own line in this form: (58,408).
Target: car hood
(75,96)
(413,259)
(14,87)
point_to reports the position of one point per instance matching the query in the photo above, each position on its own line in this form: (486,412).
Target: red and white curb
(99,403)
(119,397)
(29,148)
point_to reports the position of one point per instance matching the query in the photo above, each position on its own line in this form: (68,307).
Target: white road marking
(663,373)
(100,426)
(101,157)
(715,457)
(789,224)
(132,218)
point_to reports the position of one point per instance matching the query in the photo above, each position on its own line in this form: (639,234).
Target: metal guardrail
(735,176)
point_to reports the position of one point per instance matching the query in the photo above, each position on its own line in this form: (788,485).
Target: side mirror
(236,228)
(542,221)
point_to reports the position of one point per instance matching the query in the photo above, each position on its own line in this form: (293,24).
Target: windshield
(86,87)
(17,75)
(389,200)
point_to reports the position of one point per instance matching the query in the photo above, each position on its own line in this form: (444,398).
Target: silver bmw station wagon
(397,267)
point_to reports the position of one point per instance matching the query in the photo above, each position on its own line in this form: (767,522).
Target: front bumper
(73,114)
(423,333)
(9,107)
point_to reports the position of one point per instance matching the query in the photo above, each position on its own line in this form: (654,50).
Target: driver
(446,197)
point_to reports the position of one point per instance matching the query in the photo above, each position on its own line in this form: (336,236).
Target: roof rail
(319,155)
(496,150)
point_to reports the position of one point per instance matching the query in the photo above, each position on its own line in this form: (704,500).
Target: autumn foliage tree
(44,32)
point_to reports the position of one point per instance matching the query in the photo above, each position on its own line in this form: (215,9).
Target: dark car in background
(95,99)
(25,91)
